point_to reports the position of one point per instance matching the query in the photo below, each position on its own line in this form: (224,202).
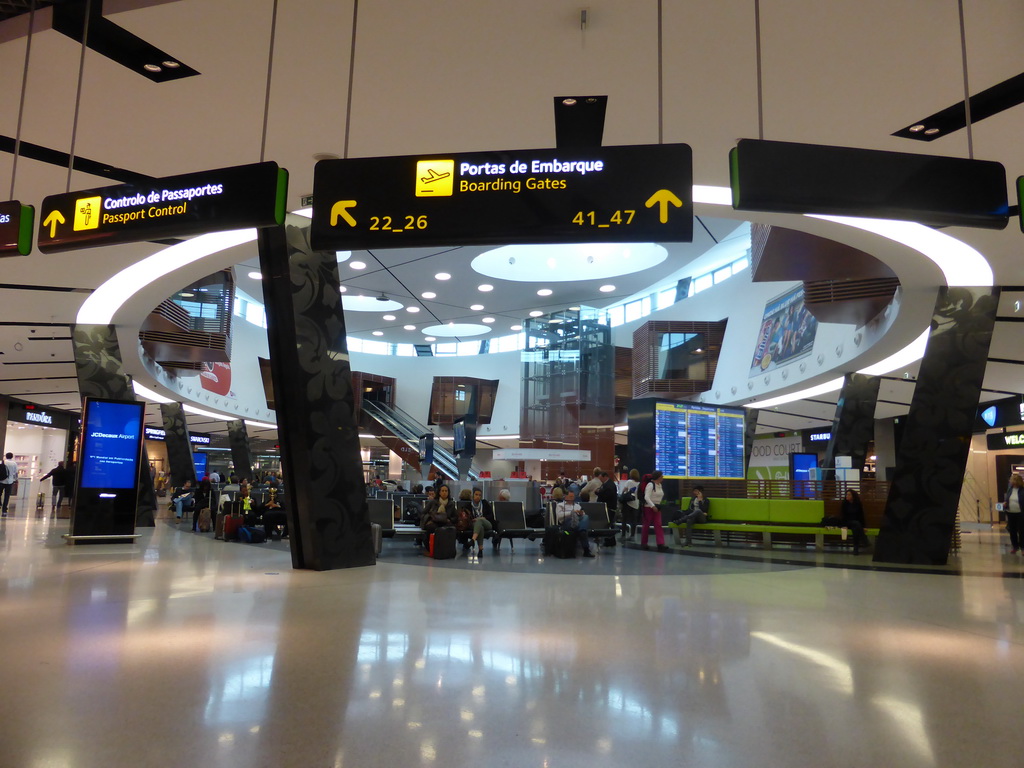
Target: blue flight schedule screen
(110,449)
(692,440)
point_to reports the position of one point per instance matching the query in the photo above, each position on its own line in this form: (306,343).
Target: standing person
(629,503)
(608,494)
(7,482)
(590,489)
(215,477)
(569,517)
(653,495)
(59,475)
(852,512)
(1014,507)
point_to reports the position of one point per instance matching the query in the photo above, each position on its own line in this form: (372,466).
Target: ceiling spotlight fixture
(357,264)
(152,67)
(254,275)
(931,131)
(171,64)
(442,276)
(485,288)
(378,333)
(488,320)
(429,338)
(412,309)
(916,128)
(389,318)
(607,288)
(476,307)
(569,102)
(536,313)
(544,292)
(408,327)
(428,295)
(515,328)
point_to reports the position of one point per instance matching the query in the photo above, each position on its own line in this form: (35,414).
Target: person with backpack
(653,496)
(8,477)
(629,504)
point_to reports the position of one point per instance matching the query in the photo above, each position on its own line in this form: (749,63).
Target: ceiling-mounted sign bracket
(16,225)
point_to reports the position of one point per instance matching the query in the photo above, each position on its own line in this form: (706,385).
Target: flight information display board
(698,441)
(15,228)
(626,194)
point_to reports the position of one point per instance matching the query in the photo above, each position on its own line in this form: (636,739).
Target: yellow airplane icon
(435,178)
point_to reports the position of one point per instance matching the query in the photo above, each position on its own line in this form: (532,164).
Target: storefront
(156,449)
(38,438)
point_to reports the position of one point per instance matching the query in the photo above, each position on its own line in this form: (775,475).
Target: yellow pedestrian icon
(435,178)
(87,213)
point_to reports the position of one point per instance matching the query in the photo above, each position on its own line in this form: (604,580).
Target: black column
(853,426)
(749,432)
(241,456)
(179,447)
(101,374)
(920,511)
(328,518)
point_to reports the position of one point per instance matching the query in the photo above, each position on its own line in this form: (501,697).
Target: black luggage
(560,543)
(378,538)
(442,544)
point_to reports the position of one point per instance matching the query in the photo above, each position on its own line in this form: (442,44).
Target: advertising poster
(110,447)
(787,333)
(769,456)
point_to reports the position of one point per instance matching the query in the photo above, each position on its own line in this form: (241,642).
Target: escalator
(407,430)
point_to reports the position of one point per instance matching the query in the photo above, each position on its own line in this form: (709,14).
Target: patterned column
(179,448)
(920,511)
(323,473)
(853,426)
(101,374)
(241,456)
(749,432)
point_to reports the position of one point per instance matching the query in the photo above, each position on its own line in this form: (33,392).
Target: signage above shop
(15,228)
(606,194)
(819,437)
(177,206)
(30,414)
(155,433)
(784,177)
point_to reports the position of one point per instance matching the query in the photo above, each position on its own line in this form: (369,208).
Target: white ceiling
(456,75)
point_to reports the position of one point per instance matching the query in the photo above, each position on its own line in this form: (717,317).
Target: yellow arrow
(52,221)
(663,197)
(340,208)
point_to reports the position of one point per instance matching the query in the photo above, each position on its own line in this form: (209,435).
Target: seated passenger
(696,513)
(569,517)
(483,519)
(439,512)
(183,499)
(274,516)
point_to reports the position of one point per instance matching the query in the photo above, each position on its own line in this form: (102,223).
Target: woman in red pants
(653,494)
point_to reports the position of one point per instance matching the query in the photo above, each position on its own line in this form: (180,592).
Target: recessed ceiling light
(412,309)
(186,294)
(357,264)
(544,292)
(442,276)
(476,307)
(256,275)
(574,309)
(917,128)
(515,327)
(378,333)
(389,318)
(171,64)
(555,321)
(152,67)
(428,295)
(931,131)
(569,102)
(607,288)
(488,320)
(536,313)
(485,288)
(429,338)
(342,289)
(408,327)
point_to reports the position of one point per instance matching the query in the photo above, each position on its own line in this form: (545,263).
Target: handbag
(465,521)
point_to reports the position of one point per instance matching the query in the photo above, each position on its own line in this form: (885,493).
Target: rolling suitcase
(378,538)
(232,523)
(559,543)
(442,544)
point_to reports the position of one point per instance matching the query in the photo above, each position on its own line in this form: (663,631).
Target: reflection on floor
(188,651)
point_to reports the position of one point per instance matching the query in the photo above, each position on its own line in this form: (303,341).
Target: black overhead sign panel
(782,177)
(15,229)
(177,206)
(605,194)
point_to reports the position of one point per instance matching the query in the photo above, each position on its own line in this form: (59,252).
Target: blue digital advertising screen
(112,437)
(199,459)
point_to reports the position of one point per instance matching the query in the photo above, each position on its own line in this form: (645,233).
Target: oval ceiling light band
(568,262)
(456,329)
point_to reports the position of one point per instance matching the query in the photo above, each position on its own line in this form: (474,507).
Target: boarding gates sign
(606,194)
(177,206)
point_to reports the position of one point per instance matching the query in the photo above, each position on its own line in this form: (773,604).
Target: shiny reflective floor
(180,650)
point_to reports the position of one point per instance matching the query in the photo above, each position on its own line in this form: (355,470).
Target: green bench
(760,519)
